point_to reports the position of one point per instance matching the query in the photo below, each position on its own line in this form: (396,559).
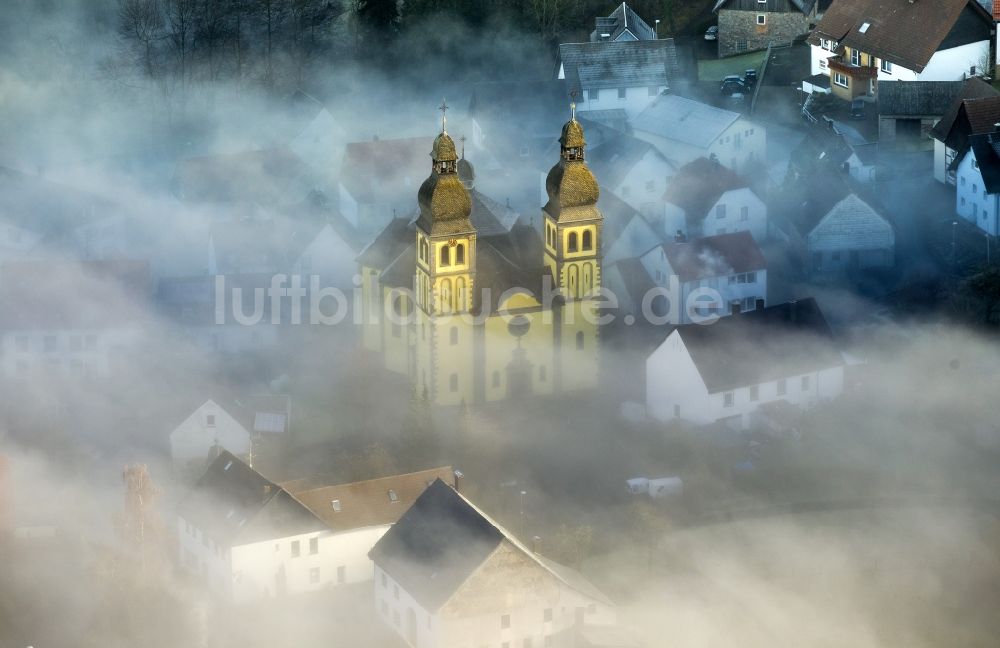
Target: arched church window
(460,253)
(459,293)
(445,294)
(579,339)
(572,246)
(573,280)
(445,255)
(588,240)
(588,276)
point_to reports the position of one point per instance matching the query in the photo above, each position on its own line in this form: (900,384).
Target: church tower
(446,239)
(572,221)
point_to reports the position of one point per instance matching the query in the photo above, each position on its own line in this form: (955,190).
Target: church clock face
(452,242)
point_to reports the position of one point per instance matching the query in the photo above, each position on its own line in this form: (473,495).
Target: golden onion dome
(445,204)
(444,148)
(570,184)
(572,135)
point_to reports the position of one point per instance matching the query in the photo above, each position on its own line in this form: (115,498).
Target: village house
(852,235)
(449,576)
(623,75)
(860,43)
(684,130)
(269,178)
(703,277)
(977,194)
(76,321)
(623,24)
(749,25)
(378,180)
(974,112)
(705,198)
(633,170)
(626,233)
(249,538)
(726,371)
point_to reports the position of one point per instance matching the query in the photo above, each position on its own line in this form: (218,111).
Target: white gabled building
(449,576)
(977,183)
(704,277)
(684,130)
(852,235)
(726,370)
(250,538)
(207,427)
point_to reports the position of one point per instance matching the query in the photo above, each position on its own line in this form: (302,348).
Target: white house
(726,370)
(623,24)
(859,43)
(704,277)
(209,426)
(632,169)
(249,538)
(617,75)
(977,189)
(449,576)
(71,321)
(851,235)
(975,112)
(684,130)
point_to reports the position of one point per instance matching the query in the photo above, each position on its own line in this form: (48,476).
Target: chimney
(759,304)
(458,481)
(680,237)
(536,545)
(734,307)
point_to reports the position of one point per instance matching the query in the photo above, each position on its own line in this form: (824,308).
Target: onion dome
(445,204)
(571,186)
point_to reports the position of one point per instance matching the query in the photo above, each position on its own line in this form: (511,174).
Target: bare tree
(140,27)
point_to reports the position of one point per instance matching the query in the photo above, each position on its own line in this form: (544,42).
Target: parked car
(732,84)
(858,109)
(750,78)
(712,33)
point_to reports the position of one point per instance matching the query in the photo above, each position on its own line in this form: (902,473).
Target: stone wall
(740,33)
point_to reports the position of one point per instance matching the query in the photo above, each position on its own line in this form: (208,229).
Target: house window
(840,79)
(720,211)
(741,45)
(975,188)
(728,399)
(453,382)
(504,621)
(744,213)
(210,420)
(341,574)
(296,549)
(621,93)
(886,66)
(336,506)
(754,393)
(594,95)
(525,151)
(782,387)
(314,576)
(805,383)
(453,335)
(313,546)
(761,19)
(855,57)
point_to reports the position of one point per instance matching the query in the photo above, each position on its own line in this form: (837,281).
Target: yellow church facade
(474,309)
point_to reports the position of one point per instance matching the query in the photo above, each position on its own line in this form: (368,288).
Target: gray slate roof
(917,98)
(618,64)
(622,19)
(684,120)
(614,159)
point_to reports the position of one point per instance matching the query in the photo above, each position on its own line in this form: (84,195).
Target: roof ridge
(369,481)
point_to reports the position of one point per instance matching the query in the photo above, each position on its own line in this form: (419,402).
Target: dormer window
(335,505)
(393,497)
(210,420)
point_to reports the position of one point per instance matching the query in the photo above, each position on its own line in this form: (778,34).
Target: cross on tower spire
(444,114)
(572,104)
(462,139)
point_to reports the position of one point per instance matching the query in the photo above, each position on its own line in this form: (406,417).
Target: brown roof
(974,88)
(904,33)
(367,503)
(715,256)
(371,168)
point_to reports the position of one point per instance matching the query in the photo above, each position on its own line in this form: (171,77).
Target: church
(475,310)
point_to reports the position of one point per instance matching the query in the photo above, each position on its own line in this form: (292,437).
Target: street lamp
(657,27)
(523,493)
(987,235)
(954,251)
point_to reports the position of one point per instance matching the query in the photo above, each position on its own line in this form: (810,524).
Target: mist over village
(499,323)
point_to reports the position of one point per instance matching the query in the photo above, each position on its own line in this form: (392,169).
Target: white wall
(195,436)
(971,200)
(636,98)
(817,56)
(643,186)
(734,201)
(672,379)
(68,353)
(393,604)
(329,256)
(953,64)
